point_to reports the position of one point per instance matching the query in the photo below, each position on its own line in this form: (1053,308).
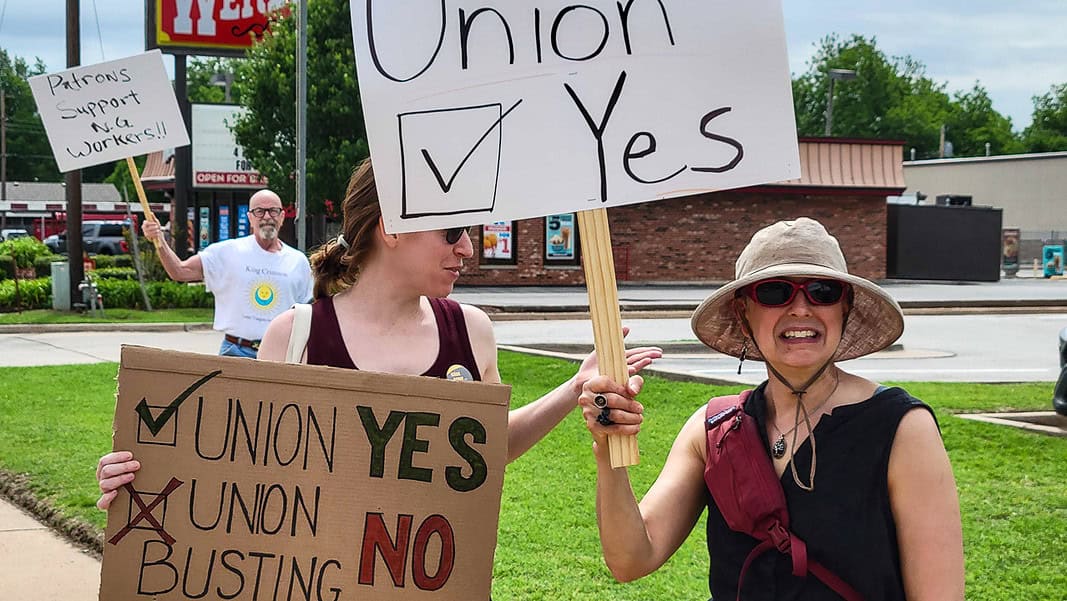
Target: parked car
(11,234)
(98,238)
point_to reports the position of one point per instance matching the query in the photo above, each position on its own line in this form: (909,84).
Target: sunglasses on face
(453,234)
(779,293)
(261,211)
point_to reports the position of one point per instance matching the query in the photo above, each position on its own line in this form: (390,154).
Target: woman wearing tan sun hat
(879,513)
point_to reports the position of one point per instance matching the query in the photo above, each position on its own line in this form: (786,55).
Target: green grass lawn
(45,316)
(56,421)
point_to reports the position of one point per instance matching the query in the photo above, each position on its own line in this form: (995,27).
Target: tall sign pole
(3,147)
(183,166)
(73,179)
(301,125)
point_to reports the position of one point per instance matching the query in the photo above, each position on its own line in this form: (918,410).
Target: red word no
(394,550)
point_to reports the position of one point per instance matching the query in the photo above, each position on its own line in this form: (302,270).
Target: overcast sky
(1015,49)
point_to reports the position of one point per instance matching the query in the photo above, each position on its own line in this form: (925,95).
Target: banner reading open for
(509,110)
(264,480)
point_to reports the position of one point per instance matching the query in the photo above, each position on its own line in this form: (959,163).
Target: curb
(581,312)
(43,328)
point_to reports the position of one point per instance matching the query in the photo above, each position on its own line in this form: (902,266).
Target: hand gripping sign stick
(148,214)
(599,268)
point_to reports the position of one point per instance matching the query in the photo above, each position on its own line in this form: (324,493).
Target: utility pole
(183,165)
(73,179)
(3,148)
(301,126)
(3,155)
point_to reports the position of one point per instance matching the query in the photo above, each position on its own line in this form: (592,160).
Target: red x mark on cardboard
(146,512)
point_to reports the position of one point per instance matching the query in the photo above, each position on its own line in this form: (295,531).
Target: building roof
(158,172)
(1000,158)
(842,163)
(56,192)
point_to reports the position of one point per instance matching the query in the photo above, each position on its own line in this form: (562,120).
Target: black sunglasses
(453,234)
(779,292)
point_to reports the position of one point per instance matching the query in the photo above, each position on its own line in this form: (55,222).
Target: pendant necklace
(778,447)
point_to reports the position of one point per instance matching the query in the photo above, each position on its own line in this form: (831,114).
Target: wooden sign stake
(599,266)
(148,214)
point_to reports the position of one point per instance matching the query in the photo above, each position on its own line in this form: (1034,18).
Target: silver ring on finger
(600,401)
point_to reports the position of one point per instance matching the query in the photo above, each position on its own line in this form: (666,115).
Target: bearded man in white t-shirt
(253,278)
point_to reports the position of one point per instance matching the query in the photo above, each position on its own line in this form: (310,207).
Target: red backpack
(748,493)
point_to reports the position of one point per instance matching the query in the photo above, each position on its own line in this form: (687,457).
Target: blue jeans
(229,349)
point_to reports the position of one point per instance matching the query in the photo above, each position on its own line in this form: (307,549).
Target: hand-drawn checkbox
(164,418)
(151,510)
(450,159)
(167,435)
(146,512)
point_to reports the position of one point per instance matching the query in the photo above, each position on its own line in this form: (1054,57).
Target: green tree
(29,156)
(200,74)
(337,139)
(973,123)
(1048,130)
(892,98)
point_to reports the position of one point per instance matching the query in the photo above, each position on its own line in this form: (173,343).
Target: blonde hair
(334,266)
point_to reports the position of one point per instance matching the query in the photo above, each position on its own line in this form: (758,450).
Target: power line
(99,36)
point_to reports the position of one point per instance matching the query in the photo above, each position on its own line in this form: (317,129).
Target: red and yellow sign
(210,27)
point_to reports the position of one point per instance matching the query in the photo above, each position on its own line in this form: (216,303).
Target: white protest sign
(490,111)
(109,111)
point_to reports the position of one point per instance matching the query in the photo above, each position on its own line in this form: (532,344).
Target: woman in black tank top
(867,482)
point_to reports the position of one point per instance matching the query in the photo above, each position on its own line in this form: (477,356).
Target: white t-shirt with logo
(252,286)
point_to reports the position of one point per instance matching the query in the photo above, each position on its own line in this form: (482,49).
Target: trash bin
(61,286)
(1053,259)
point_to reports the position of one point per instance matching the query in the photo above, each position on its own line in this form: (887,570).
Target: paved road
(1004,292)
(947,348)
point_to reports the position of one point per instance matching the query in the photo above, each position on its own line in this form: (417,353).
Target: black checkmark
(156,424)
(446,186)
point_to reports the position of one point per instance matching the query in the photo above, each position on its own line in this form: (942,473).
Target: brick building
(843,184)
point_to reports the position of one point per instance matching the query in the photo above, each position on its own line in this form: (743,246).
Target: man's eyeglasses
(261,211)
(453,234)
(779,293)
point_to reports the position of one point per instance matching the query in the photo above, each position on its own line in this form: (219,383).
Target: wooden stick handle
(599,267)
(148,214)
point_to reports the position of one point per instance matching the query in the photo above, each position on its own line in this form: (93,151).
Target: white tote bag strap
(298,339)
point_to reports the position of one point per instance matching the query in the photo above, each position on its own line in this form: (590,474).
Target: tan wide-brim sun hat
(800,248)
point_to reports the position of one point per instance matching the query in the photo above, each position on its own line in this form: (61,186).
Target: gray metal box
(61,286)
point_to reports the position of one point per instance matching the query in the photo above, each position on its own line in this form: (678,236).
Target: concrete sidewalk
(35,563)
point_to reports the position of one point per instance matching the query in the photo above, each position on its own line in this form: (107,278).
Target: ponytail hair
(334,266)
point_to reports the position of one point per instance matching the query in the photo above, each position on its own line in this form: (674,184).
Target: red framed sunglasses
(781,292)
(453,234)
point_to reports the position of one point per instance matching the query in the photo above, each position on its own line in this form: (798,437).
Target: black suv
(98,238)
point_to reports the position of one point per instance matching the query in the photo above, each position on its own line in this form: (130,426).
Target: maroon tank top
(327,347)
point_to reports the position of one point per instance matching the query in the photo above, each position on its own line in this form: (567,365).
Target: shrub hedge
(33,294)
(37,294)
(7,267)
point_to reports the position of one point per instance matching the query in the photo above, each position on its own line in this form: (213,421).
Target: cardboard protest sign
(509,110)
(271,481)
(109,111)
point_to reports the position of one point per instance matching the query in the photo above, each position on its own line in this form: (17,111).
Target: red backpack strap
(746,489)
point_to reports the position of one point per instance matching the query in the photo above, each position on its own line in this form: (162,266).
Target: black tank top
(847,522)
(327,347)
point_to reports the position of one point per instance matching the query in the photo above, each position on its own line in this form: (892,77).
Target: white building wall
(1030,188)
